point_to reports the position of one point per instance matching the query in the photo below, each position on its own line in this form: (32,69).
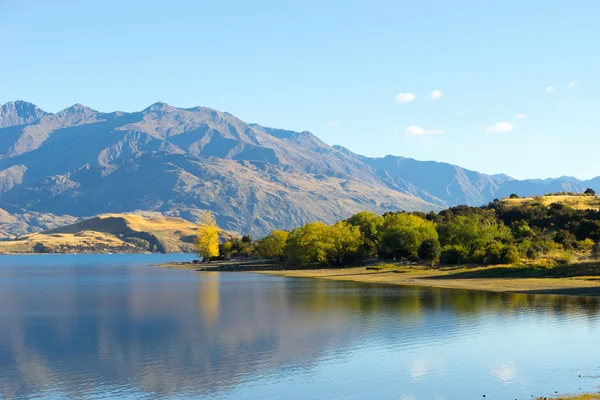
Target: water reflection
(98,326)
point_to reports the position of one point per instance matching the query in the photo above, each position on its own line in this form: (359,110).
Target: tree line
(499,233)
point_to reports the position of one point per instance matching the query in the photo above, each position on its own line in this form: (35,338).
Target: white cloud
(521,116)
(500,127)
(572,84)
(436,94)
(549,89)
(333,123)
(404,97)
(418,131)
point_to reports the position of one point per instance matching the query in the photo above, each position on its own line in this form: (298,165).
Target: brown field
(577,202)
(110,233)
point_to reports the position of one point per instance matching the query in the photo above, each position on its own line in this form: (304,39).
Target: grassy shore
(582,279)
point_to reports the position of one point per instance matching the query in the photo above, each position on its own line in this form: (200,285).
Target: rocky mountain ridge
(81,162)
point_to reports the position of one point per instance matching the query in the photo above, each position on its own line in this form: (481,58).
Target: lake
(106,326)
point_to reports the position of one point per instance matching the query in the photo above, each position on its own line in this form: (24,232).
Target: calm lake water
(111,326)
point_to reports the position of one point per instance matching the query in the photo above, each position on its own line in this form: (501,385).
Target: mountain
(81,162)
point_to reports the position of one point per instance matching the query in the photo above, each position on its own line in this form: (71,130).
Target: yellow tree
(207,237)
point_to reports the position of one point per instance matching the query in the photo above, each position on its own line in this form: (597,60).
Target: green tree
(272,246)
(473,231)
(430,251)
(306,245)
(590,192)
(343,241)
(370,225)
(454,254)
(403,234)
(225,249)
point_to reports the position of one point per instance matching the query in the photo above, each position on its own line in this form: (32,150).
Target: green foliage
(344,241)
(521,229)
(271,246)
(225,249)
(465,234)
(318,243)
(141,243)
(590,192)
(403,234)
(370,225)
(430,250)
(586,244)
(306,245)
(454,254)
(473,231)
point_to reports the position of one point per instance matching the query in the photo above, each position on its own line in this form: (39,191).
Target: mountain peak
(78,108)
(159,106)
(19,112)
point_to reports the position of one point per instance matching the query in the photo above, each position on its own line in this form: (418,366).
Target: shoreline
(455,278)
(581,279)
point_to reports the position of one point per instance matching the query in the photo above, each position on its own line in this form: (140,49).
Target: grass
(580,202)
(107,233)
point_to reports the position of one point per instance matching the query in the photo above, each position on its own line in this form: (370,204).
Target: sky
(498,87)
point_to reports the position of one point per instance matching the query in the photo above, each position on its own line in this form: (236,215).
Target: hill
(115,233)
(179,162)
(577,202)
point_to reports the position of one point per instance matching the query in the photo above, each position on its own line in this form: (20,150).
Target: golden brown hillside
(578,202)
(110,233)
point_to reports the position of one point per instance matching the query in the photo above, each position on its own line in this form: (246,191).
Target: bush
(453,254)
(430,250)
(141,243)
(586,244)
(510,255)
(596,251)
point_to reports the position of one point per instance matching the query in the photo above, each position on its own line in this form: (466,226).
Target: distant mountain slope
(111,233)
(175,161)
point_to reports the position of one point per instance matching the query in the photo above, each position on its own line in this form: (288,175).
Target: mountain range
(80,162)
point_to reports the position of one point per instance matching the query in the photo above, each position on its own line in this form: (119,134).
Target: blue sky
(346,71)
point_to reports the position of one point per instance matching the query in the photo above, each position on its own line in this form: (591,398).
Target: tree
(514,196)
(473,231)
(343,241)
(322,244)
(306,245)
(590,192)
(225,249)
(370,225)
(272,246)
(430,251)
(207,237)
(403,234)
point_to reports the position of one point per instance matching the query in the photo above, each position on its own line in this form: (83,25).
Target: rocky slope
(178,162)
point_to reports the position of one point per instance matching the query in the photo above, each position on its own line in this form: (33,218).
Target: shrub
(596,251)
(430,250)
(510,255)
(453,254)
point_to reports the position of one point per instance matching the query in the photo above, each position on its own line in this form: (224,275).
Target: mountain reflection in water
(110,326)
